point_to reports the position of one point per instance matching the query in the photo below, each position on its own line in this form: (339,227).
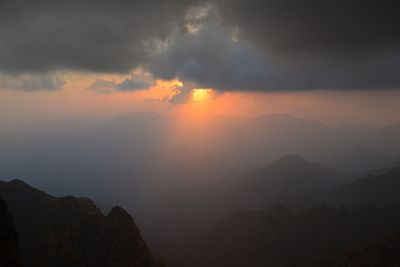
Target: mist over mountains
(226,192)
(179,217)
(136,157)
(323,220)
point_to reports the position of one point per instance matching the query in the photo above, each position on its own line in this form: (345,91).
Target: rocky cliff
(72,232)
(9,254)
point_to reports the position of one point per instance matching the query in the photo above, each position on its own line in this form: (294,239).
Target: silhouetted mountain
(72,232)
(376,189)
(180,215)
(292,174)
(316,237)
(9,252)
(396,162)
(360,159)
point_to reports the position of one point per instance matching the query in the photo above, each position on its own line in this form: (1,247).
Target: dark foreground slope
(72,232)
(180,215)
(321,236)
(385,254)
(343,236)
(9,253)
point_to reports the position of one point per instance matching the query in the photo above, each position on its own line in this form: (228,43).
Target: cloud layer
(223,57)
(93,35)
(264,45)
(133,83)
(316,27)
(32,82)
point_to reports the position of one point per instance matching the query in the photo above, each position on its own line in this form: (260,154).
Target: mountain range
(177,218)
(130,159)
(321,236)
(291,213)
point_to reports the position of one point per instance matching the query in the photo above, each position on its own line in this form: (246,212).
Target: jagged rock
(9,253)
(72,232)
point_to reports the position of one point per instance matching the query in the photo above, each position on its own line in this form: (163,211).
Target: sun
(201,94)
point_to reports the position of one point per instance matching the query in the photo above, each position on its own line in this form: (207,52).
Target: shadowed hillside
(321,236)
(385,254)
(9,252)
(378,188)
(180,215)
(72,232)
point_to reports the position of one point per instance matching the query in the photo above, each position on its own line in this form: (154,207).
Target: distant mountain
(381,189)
(291,174)
(72,232)
(320,236)
(133,158)
(360,159)
(181,214)
(291,180)
(378,188)
(9,252)
(396,162)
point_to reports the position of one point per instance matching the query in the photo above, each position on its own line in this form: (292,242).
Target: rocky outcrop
(72,232)
(9,254)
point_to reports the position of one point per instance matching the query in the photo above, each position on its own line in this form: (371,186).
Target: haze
(169,106)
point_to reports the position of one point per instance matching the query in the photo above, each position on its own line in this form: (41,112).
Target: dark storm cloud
(315,26)
(211,57)
(269,45)
(94,35)
(289,45)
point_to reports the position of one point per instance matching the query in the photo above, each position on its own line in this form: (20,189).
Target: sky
(336,61)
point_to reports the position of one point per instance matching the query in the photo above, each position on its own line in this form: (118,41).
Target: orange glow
(201,94)
(200,105)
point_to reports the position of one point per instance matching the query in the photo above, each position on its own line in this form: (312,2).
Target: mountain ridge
(69,231)
(320,236)
(183,214)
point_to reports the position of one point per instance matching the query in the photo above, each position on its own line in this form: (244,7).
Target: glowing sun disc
(201,94)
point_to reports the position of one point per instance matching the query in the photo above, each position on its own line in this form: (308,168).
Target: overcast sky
(342,47)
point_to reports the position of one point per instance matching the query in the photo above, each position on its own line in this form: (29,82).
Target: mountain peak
(17,186)
(293,173)
(20,185)
(291,160)
(18,182)
(120,213)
